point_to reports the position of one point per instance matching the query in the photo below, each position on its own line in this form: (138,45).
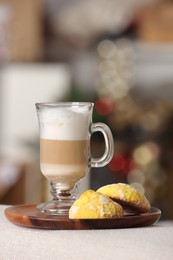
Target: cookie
(94,205)
(127,196)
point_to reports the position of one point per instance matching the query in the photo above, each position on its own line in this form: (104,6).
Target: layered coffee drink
(65,132)
(64,145)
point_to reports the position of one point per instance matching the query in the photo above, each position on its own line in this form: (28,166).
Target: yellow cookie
(93,205)
(127,196)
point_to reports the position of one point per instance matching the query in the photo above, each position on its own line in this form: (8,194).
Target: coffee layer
(65,152)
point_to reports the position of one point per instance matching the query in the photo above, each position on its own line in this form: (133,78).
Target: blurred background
(115,53)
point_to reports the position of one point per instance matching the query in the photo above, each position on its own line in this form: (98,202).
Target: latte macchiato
(64,145)
(65,134)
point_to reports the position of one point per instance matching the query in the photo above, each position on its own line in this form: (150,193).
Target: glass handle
(109,145)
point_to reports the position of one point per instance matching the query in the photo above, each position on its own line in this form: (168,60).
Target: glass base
(56,207)
(61,202)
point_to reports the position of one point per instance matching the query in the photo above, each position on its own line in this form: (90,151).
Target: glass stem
(59,194)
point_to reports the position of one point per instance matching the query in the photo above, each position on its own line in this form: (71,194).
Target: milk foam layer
(64,124)
(64,170)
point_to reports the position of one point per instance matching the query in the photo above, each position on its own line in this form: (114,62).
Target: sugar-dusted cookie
(93,205)
(127,196)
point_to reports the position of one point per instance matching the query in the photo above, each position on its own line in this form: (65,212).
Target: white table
(19,243)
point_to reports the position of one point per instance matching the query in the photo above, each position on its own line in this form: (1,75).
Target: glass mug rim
(64,104)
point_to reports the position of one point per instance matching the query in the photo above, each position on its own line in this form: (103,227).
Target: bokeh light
(106,49)
(117,163)
(104,106)
(146,153)
(136,175)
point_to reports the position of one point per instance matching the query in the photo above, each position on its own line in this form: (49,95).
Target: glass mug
(65,131)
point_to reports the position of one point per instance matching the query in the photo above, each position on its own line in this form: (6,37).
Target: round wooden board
(29,216)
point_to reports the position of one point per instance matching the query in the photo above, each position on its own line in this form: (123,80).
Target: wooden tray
(29,216)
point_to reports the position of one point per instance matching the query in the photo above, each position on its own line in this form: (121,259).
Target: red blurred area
(121,164)
(104,106)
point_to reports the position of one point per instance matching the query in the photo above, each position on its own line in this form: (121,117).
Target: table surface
(20,243)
